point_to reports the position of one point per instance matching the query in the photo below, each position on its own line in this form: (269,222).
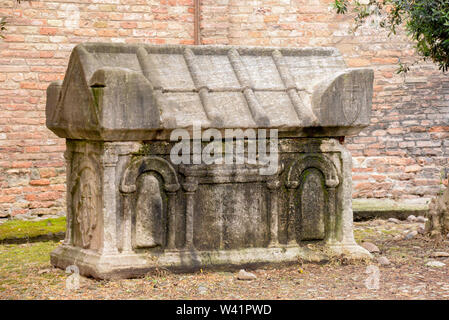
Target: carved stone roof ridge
(132,91)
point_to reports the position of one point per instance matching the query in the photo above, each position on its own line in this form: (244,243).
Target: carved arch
(128,187)
(321,162)
(146,164)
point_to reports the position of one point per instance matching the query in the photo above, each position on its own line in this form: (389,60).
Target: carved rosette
(352,104)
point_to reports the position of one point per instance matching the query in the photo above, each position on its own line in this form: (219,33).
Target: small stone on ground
(411,235)
(244,275)
(436,264)
(371,247)
(421,219)
(394,220)
(439,254)
(421,230)
(383,261)
(202,290)
(44,271)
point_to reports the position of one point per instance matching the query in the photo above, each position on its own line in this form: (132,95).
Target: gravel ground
(25,273)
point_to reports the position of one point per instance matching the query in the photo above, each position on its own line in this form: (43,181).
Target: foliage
(3,24)
(426,23)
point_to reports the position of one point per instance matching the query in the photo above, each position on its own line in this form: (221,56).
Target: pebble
(244,275)
(411,218)
(439,254)
(383,261)
(44,271)
(371,247)
(411,235)
(202,290)
(394,220)
(421,230)
(421,219)
(436,264)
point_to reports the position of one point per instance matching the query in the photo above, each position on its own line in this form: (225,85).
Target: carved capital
(171,188)
(273,184)
(110,156)
(68,155)
(190,185)
(292,184)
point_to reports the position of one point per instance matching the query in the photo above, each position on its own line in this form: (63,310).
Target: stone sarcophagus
(186,157)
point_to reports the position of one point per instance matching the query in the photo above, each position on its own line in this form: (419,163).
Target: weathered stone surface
(131,209)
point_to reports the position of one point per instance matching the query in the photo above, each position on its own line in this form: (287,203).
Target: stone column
(171,219)
(273,186)
(332,223)
(190,187)
(126,224)
(291,186)
(68,155)
(109,162)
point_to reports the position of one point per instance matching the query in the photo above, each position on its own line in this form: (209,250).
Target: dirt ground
(25,273)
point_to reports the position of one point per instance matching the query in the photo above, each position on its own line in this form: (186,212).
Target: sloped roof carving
(137,92)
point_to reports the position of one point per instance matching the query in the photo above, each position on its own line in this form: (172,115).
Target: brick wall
(400,156)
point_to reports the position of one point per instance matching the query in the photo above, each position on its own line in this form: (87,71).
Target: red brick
(40,182)
(47,172)
(7,199)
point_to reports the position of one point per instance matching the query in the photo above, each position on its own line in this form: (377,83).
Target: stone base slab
(130,265)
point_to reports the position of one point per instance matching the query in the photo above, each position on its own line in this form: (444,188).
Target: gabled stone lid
(142,92)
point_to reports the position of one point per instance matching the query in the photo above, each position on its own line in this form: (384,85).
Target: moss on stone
(143,150)
(17,229)
(97,92)
(386,205)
